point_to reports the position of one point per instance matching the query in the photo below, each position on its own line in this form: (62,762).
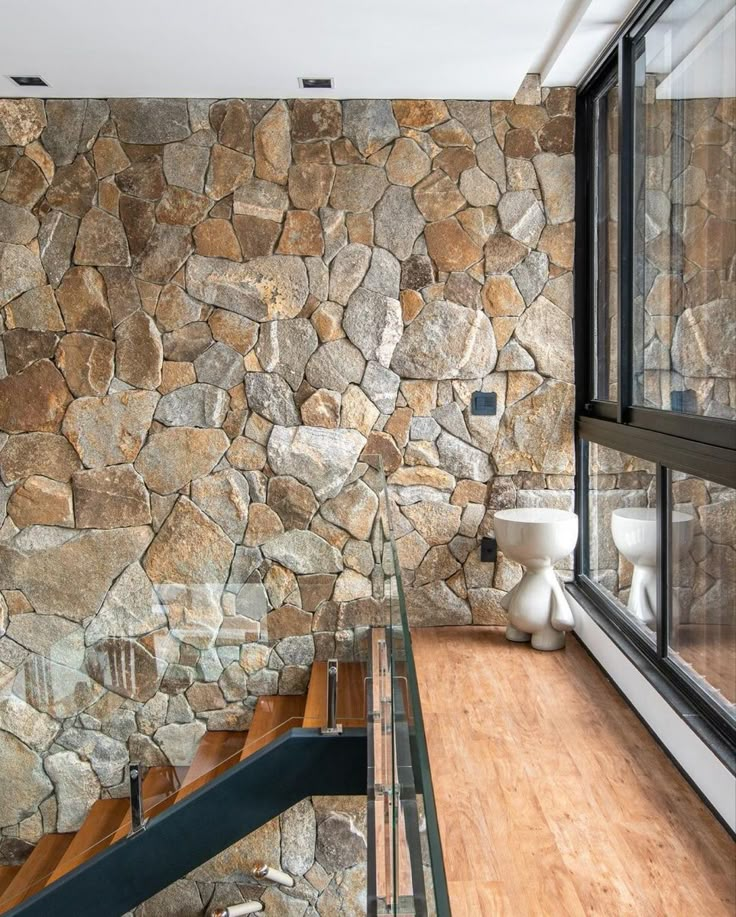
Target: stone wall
(212,311)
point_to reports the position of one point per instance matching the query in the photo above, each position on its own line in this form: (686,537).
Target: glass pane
(623,531)
(605,271)
(685,211)
(703,622)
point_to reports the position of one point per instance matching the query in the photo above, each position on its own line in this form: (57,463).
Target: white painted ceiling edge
(463,49)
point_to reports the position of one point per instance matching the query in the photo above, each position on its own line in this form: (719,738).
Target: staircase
(109,820)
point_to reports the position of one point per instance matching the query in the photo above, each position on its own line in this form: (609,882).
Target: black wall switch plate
(488,550)
(483,403)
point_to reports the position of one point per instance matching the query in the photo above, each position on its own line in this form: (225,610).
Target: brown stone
(408,163)
(561,101)
(36,310)
(176,375)
(294,502)
(110,498)
(454,161)
(144,179)
(450,247)
(109,430)
(360,228)
(175,308)
(263,525)
(322,409)
(109,197)
(178,455)
(411,305)
(310,184)
(217,239)
(228,170)
(317,151)
(288,621)
(468,492)
(73,188)
(503,253)
(398,426)
(33,400)
(451,133)
(246,454)
(315,119)
(87,362)
(420,114)
(83,302)
(138,218)
(437,197)
(24,347)
(101,240)
(46,454)
(344,152)
(234,125)
(166,251)
(25,185)
(711,246)
(557,135)
(559,243)
(235,330)
(520,143)
(41,501)
(187,343)
(109,157)
(182,206)
(302,234)
(357,188)
(139,351)
(257,237)
(382,444)
(501,296)
(273,145)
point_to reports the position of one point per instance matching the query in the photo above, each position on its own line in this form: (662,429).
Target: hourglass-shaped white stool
(537,538)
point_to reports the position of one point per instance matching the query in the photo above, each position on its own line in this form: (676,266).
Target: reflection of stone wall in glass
(685,354)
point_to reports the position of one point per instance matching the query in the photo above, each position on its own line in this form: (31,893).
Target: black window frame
(698,445)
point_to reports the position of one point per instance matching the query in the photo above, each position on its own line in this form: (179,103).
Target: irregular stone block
(369,124)
(87,362)
(197,405)
(319,458)
(109,430)
(44,454)
(178,455)
(34,399)
(110,498)
(398,222)
(140,355)
(150,120)
(374,323)
(20,270)
(303,552)
(41,501)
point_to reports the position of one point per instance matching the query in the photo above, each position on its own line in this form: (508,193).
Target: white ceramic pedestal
(634,530)
(537,538)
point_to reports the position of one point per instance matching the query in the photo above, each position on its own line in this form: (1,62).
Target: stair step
(273,716)
(350,695)
(7,874)
(32,875)
(217,752)
(160,786)
(94,836)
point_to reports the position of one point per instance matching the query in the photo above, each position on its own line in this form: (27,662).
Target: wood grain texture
(351,678)
(273,716)
(32,875)
(553,799)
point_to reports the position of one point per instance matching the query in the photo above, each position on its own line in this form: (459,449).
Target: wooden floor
(553,799)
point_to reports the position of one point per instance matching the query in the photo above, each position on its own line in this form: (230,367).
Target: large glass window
(656,310)
(684,356)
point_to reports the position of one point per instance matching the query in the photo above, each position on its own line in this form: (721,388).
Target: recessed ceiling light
(316,82)
(29,81)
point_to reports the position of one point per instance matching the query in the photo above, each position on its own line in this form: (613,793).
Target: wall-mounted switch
(483,403)
(488,550)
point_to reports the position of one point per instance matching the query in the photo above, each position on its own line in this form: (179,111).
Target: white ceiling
(464,49)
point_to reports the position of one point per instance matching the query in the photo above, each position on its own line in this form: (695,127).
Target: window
(656,345)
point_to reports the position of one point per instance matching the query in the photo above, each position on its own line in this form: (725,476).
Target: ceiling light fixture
(29,80)
(316,82)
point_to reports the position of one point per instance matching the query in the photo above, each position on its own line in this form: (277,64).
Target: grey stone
(263,199)
(107,756)
(347,270)
(220,365)
(476,116)
(556,176)
(225,497)
(177,455)
(167,248)
(50,636)
(318,457)
(262,289)
(374,323)
(334,231)
(55,689)
(521,216)
(285,346)
(196,405)
(436,605)
(20,270)
(64,118)
(185,165)
(131,608)
(179,741)
(384,275)
(340,843)
(151,120)
(56,239)
(478,189)
(514,357)
(451,418)
(335,365)
(109,430)
(446,341)
(369,123)
(298,838)
(22,770)
(296,650)
(381,385)
(35,729)
(546,332)
(531,275)
(398,222)
(17,224)
(180,899)
(270,396)
(125,667)
(492,161)
(303,552)
(76,788)
(424,428)
(358,188)
(463,460)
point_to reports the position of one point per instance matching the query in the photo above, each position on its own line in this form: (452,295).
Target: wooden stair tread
(350,695)
(7,874)
(32,875)
(95,835)
(273,716)
(217,752)
(160,786)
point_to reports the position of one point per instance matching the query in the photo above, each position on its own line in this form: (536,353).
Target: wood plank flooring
(553,799)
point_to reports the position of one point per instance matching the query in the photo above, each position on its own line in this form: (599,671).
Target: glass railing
(178,682)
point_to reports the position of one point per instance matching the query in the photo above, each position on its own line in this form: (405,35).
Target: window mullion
(625,227)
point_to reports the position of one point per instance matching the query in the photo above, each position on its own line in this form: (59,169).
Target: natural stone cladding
(211,313)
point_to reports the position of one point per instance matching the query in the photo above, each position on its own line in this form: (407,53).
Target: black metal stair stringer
(301,763)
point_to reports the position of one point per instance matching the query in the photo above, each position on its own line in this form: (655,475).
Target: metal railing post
(332,727)
(137,821)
